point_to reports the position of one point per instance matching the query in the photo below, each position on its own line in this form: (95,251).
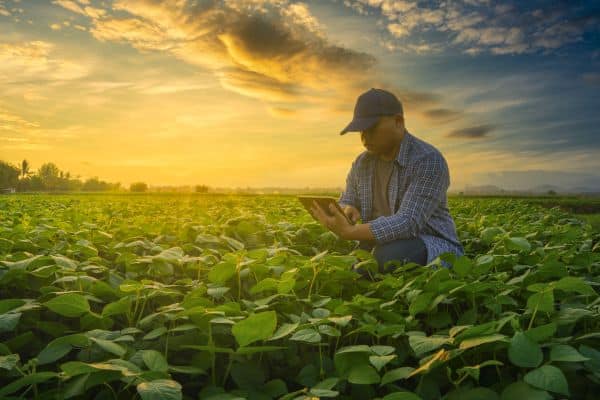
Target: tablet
(323,202)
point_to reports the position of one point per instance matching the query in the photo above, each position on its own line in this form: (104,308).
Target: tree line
(48,178)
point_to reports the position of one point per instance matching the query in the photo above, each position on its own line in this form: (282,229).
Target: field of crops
(246,297)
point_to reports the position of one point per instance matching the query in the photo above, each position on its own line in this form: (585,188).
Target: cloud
(82,8)
(475,27)
(34,60)
(4,11)
(282,112)
(275,51)
(442,114)
(140,34)
(472,132)
(10,121)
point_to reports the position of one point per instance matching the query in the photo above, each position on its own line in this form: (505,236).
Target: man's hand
(352,213)
(337,223)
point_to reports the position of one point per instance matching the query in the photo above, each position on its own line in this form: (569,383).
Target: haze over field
(254,93)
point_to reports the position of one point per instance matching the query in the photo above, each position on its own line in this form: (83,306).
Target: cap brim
(360,124)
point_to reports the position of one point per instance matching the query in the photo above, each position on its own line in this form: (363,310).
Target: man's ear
(399,118)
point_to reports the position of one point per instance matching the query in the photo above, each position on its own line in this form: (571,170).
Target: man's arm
(350,195)
(429,183)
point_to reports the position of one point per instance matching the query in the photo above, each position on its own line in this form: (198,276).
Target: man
(397,187)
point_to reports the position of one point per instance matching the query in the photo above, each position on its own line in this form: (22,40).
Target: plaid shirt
(417,196)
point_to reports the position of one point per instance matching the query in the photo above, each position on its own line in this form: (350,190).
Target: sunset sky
(254,93)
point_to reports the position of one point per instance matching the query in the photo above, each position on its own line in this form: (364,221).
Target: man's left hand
(337,223)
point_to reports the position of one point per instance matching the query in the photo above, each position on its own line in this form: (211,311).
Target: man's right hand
(352,213)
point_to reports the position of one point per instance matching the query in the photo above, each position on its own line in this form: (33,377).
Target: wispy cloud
(35,60)
(275,51)
(476,26)
(472,132)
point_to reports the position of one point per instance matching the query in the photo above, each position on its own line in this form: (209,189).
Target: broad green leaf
(425,344)
(488,234)
(222,272)
(363,374)
(462,266)
(37,377)
(155,360)
(548,377)
(121,306)
(524,352)
(74,368)
(543,301)
(380,361)
(9,321)
(542,332)
(594,355)
(59,347)
(155,333)
(264,285)
(69,305)
(284,330)
(329,330)
(396,374)
(359,348)
(131,286)
(574,284)
(477,341)
(566,353)
(110,347)
(308,335)
(521,390)
(259,326)
(9,361)
(421,303)
(518,243)
(382,350)
(160,389)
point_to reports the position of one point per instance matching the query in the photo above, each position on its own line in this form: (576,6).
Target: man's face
(380,138)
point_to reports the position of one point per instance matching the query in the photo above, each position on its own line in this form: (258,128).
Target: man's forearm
(359,232)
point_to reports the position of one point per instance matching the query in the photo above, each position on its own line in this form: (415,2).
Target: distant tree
(49,175)
(138,187)
(9,175)
(552,192)
(96,185)
(93,185)
(201,188)
(24,169)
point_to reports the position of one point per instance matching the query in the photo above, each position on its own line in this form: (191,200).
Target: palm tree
(24,168)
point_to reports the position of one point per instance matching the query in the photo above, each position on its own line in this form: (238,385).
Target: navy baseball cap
(370,106)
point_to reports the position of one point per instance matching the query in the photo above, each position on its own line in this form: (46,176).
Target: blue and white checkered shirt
(416,193)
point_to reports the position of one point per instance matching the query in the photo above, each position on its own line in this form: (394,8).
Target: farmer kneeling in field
(397,187)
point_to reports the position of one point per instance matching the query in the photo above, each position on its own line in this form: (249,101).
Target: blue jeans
(403,250)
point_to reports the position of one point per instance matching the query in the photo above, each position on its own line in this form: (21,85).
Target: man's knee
(403,251)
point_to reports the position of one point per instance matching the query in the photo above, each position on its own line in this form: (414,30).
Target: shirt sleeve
(429,182)
(350,195)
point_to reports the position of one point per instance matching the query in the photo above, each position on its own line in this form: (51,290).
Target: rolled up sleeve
(428,184)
